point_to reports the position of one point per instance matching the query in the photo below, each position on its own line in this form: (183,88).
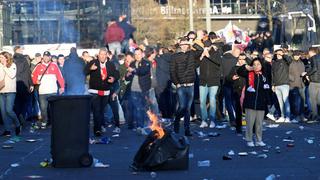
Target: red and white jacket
(48,84)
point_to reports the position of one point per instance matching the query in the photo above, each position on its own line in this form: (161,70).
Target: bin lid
(68,97)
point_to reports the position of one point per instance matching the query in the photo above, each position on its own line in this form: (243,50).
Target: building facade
(5,26)
(61,21)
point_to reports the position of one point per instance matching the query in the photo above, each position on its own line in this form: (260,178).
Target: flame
(155,126)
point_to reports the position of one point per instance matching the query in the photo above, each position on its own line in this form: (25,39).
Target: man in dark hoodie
(128,30)
(73,74)
(238,83)
(229,60)
(24,84)
(164,92)
(280,83)
(209,83)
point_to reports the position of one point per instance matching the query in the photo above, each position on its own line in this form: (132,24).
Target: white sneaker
(251,89)
(212,125)
(203,124)
(294,121)
(250,144)
(287,120)
(280,120)
(103,129)
(271,117)
(116,130)
(260,143)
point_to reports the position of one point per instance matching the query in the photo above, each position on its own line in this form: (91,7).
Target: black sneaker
(187,133)
(18,130)
(6,133)
(97,133)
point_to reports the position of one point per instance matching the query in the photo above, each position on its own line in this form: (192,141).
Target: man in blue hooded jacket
(73,74)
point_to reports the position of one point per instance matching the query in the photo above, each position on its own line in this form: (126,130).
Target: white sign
(54,49)
(171,10)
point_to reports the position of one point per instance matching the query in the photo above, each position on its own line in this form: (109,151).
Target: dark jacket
(74,76)
(237,84)
(127,28)
(23,73)
(314,72)
(268,43)
(267,69)
(259,99)
(210,69)
(122,82)
(228,61)
(296,68)
(280,71)
(143,73)
(96,81)
(183,65)
(163,71)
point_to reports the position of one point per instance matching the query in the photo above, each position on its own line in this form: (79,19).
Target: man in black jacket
(238,84)
(280,83)
(182,73)
(209,82)
(139,77)
(24,84)
(164,92)
(229,60)
(314,76)
(102,75)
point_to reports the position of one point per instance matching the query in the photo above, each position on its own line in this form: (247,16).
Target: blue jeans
(204,92)
(108,115)
(43,100)
(229,101)
(138,108)
(112,110)
(125,46)
(282,93)
(152,102)
(185,98)
(307,100)
(6,106)
(115,48)
(35,104)
(297,101)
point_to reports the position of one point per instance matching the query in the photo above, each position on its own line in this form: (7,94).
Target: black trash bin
(70,117)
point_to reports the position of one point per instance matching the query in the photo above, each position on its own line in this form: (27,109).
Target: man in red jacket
(113,37)
(46,75)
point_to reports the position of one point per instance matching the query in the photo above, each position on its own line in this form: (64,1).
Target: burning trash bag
(169,152)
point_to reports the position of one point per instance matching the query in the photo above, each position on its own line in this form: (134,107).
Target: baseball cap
(46,53)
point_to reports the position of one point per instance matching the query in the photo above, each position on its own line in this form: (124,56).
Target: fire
(155,126)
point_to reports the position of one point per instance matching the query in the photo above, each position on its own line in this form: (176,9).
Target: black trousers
(238,111)
(98,104)
(115,110)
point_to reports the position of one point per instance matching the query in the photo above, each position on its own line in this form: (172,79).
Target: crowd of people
(225,81)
